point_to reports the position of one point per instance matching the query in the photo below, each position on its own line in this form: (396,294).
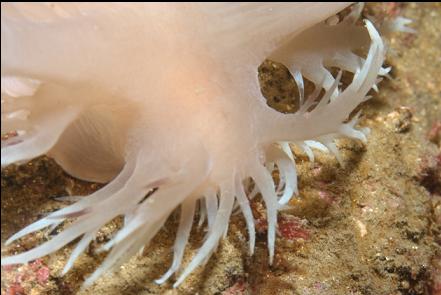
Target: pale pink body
(165,97)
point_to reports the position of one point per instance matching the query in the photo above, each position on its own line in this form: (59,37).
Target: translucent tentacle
(57,217)
(220,223)
(328,141)
(264,181)
(121,252)
(211,202)
(307,151)
(202,212)
(287,171)
(246,210)
(80,247)
(185,223)
(320,76)
(316,145)
(298,78)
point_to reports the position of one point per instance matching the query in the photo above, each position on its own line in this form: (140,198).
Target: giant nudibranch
(164,100)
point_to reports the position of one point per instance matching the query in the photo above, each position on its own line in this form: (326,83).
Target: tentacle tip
(271,259)
(65,271)
(89,281)
(7,243)
(366,131)
(160,281)
(3,261)
(385,71)
(177,283)
(373,33)
(341,163)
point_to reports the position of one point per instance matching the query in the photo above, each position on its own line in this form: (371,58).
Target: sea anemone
(163,102)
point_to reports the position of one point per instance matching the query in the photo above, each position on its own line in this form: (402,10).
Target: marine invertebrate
(163,101)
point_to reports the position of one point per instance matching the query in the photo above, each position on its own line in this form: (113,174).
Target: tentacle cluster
(125,196)
(328,104)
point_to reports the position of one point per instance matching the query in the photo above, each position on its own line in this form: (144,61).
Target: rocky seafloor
(371,227)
